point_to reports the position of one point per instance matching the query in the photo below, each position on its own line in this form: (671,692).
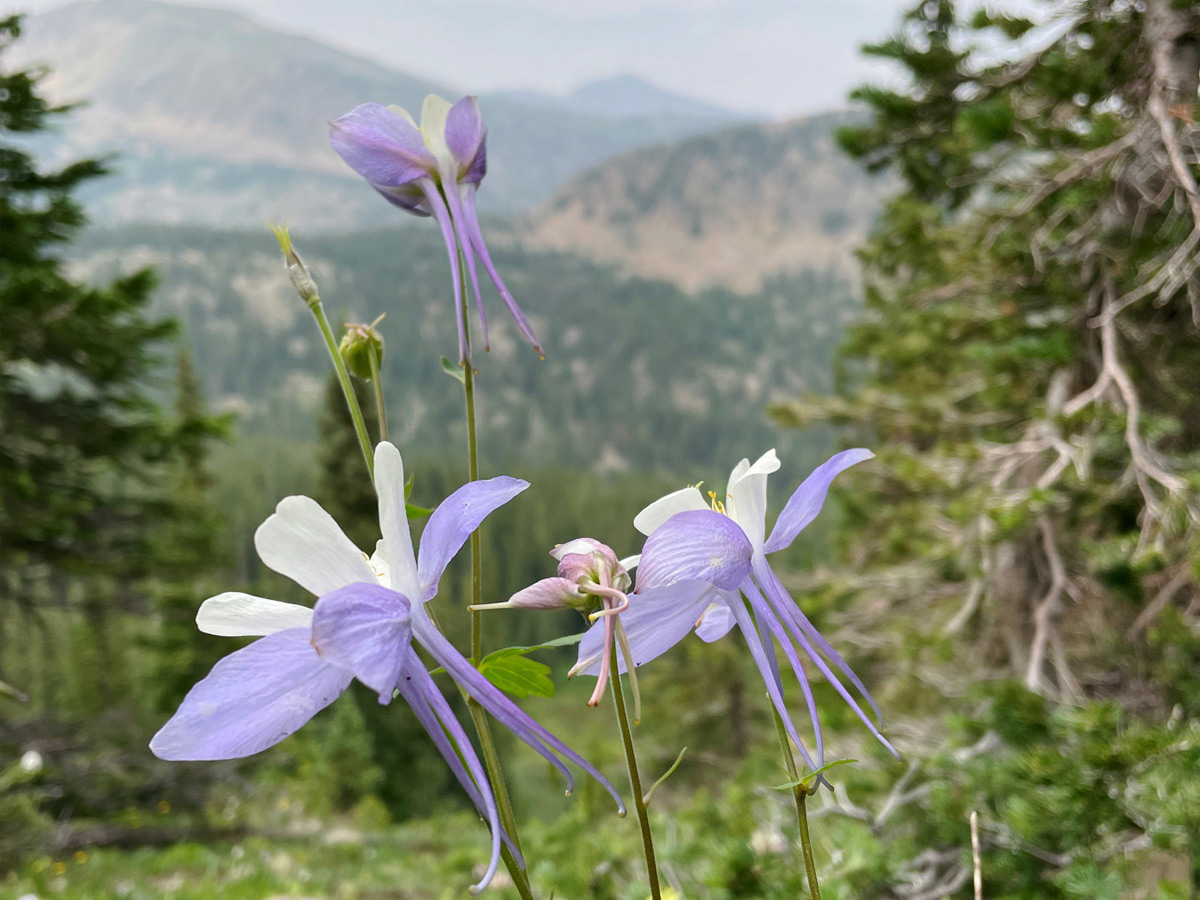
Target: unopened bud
(586,559)
(359,344)
(297,271)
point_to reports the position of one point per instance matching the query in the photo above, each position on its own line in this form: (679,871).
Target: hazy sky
(772,56)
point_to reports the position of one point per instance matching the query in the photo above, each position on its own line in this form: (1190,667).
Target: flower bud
(297,271)
(358,345)
(587,560)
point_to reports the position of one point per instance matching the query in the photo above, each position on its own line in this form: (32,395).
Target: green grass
(428,859)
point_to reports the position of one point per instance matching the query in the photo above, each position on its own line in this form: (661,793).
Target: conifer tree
(74,412)
(1029,367)
(188,552)
(81,437)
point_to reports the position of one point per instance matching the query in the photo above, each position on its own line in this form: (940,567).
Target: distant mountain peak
(625,95)
(631,95)
(219,118)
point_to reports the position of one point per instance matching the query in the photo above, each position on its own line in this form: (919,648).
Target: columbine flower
(369,612)
(431,170)
(698,559)
(590,580)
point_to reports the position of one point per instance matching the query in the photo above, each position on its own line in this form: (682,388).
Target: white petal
(683,500)
(746,496)
(630,563)
(234,614)
(434,113)
(379,562)
(393,521)
(738,471)
(302,542)
(579,545)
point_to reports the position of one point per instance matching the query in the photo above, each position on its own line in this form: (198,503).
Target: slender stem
(339,366)
(800,795)
(635,780)
(473,475)
(810,866)
(377,383)
(491,759)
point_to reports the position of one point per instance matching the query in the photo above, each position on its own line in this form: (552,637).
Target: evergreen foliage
(101,499)
(1027,366)
(189,553)
(78,431)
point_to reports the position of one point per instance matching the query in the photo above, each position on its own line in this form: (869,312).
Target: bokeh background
(961,234)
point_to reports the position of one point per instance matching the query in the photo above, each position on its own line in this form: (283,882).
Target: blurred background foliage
(1015,576)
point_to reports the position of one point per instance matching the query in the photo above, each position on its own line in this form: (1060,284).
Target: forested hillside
(638,375)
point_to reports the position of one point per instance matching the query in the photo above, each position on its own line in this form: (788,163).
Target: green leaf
(416,512)
(565,641)
(505,652)
(454,371)
(806,780)
(516,674)
(649,795)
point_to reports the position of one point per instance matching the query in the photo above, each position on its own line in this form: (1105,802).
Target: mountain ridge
(623,94)
(197,101)
(733,208)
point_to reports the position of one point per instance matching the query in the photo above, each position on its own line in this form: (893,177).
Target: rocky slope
(732,209)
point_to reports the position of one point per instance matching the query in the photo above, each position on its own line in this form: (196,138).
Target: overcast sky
(770,56)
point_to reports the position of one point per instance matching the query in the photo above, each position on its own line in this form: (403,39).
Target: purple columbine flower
(431,170)
(704,568)
(369,613)
(592,581)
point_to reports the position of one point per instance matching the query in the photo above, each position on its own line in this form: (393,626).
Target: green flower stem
(635,780)
(473,475)
(800,795)
(377,383)
(483,729)
(491,761)
(339,366)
